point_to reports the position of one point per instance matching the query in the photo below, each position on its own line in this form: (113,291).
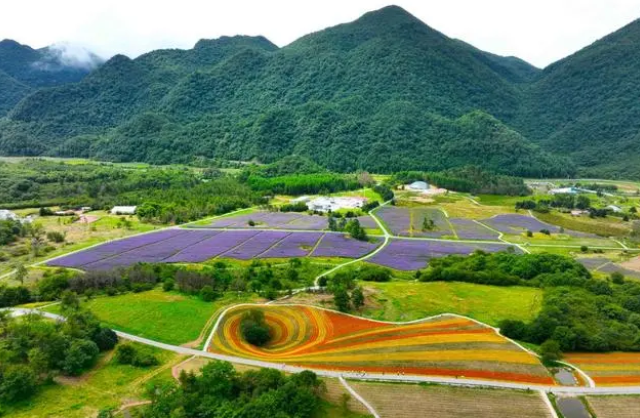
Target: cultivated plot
(279,220)
(415,254)
(609,369)
(515,224)
(410,221)
(471,230)
(615,406)
(416,401)
(447,346)
(197,245)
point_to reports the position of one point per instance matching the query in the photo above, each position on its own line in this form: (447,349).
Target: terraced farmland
(415,401)
(445,346)
(609,369)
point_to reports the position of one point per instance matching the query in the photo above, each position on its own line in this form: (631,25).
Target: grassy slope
(108,385)
(406,301)
(170,317)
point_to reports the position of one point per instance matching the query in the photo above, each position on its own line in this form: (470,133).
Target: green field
(108,385)
(168,317)
(407,301)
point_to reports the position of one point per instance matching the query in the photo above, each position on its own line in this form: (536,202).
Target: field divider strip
(315,247)
(206,238)
(358,397)
(272,246)
(547,402)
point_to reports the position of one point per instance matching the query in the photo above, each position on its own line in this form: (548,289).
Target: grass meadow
(168,317)
(107,385)
(407,301)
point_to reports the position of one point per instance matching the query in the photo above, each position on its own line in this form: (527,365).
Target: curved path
(566,390)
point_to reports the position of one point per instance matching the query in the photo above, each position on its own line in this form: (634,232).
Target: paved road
(380,377)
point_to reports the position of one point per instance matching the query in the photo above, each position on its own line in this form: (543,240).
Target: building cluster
(331,204)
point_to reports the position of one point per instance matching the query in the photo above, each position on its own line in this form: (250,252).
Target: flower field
(407,221)
(414,255)
(447,346)
(515,224)
(280,220)
(195,246)
(609,369)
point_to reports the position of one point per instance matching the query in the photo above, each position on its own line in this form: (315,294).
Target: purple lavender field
(515,224)
(405,221)
(415,254)
(469,229)
(298,244)
(255,246)
(281,220)
(339,245)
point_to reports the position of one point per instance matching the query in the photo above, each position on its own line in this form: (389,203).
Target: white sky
(539,31)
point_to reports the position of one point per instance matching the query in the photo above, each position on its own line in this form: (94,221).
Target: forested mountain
(586,106)
(385,92)
(23,69)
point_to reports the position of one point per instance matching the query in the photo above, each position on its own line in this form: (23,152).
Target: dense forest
(165,195)
(383,93)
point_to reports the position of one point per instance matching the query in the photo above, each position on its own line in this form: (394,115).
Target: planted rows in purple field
(593,263)
(283,220)
(513,223)
(612,268)
(404,221)
(256,245)
(297,244)
(470,229)
(212,247)
(339,245)
(110,249)
(415,254)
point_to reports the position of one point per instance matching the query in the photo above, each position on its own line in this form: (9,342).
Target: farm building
(615,209)
(124,210)
(418,186)
(330,204)
(565,190)
(6,215)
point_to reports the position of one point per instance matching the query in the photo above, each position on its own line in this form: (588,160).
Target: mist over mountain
(24,69)
(385,92)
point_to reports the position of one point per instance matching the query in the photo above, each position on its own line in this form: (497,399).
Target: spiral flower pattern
(315,338)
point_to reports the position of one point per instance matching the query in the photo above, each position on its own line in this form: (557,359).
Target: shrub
(129,354)
(17,382)
(207,294)
(55,236)
(254,328)
(374,274)
(168,285)
(550,351)
(80,355)
(105,338)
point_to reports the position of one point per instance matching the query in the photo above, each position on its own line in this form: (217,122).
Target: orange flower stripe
(448,346)
(609,369)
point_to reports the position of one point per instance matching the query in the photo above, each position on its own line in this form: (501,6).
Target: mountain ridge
(384,84)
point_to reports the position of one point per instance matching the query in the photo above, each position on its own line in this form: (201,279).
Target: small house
(124,210)
(564,190)
(615,209)
(7,215)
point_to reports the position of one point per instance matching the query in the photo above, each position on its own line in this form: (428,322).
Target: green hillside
(23,69)
(383,93)
(586,106)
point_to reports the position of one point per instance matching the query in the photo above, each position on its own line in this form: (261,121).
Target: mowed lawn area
(107,385)
(407,301)
(169,317)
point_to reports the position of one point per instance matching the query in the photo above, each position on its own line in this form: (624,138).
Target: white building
(331,204)
(301,199)
(6,215)
(564,190)
(615,209)
(418,186)
(123,210)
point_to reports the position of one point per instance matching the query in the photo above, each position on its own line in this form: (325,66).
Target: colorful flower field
(608,369)
(196,246)
(280,220)
(415,254)
(451,346)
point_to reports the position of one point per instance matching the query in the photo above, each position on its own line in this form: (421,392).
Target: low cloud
(65,55)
